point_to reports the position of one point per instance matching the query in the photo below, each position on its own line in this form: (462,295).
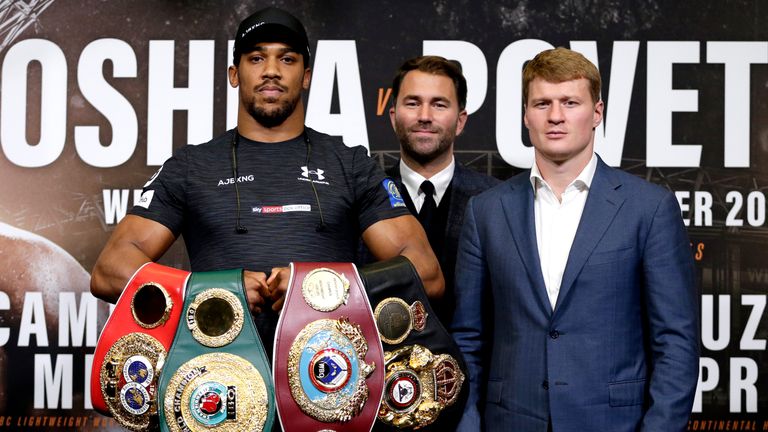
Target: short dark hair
(434,65)
(559,65)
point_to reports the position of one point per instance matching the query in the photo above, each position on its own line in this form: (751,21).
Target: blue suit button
(554,334)
(545,384)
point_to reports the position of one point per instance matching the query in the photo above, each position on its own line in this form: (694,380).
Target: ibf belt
(133,345)
(328,360)
(425,370)
(216,376)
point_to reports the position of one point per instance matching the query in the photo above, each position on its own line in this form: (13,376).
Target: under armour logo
(305,172)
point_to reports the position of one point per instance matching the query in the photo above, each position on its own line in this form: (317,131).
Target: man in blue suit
(429,95)
(576,301)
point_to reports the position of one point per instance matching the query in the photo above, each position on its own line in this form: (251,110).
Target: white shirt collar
(584,179)
(557,220)
(413,180)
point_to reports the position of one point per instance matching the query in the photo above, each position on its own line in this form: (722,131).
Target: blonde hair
(559,65)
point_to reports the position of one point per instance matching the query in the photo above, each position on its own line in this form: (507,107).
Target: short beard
(274,117)
(445,139)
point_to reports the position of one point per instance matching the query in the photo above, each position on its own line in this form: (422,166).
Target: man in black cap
(270,191)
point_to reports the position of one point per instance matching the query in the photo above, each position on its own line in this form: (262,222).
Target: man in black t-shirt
(269,192)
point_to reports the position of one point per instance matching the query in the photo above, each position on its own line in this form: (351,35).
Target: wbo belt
(328,360)
(425,370)
(133,346)
(216,376)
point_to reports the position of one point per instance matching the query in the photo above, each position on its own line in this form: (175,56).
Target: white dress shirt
(556,223)
(413,180)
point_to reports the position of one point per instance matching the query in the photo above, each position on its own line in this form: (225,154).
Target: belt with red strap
(135,339)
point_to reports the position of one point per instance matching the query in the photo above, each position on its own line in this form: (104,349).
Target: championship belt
(328,360)
(216,376)
(424,367)
(133,346)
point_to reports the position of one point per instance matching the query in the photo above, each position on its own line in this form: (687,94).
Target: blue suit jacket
(620,351)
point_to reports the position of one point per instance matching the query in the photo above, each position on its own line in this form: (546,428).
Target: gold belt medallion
(418,385)
(151,305)
(217,391)
(128,379)
(324,289)
(215,317)
(395,319)
(327,370)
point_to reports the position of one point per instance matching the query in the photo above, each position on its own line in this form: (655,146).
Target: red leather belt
(135,339)
(328,363)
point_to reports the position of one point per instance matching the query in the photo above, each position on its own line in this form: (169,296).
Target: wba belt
(424,368)
(133,345)
(216,376)
(328,360)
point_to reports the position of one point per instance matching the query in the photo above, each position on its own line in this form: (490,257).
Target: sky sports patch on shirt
(395,199)
(281,208)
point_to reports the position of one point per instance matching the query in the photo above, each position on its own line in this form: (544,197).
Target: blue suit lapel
(518,209)
(603,202)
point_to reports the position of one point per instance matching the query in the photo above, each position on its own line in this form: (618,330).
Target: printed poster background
(677,77)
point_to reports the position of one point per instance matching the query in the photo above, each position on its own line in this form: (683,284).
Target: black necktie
(429,208)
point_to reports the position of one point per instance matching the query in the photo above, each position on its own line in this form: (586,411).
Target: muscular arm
(138,240)
(403,235)
(135,241)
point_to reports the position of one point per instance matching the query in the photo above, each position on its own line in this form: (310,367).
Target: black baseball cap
(271,25)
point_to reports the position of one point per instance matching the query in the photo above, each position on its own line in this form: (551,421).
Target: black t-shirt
(193,194)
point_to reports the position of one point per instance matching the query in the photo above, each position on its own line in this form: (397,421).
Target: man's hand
(256,289)
(278,285)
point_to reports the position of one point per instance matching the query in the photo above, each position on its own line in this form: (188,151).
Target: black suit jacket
(465,184)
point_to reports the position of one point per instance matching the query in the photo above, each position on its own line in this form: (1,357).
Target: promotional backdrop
(95,95)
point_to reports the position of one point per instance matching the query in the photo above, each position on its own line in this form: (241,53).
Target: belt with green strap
(216,374)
